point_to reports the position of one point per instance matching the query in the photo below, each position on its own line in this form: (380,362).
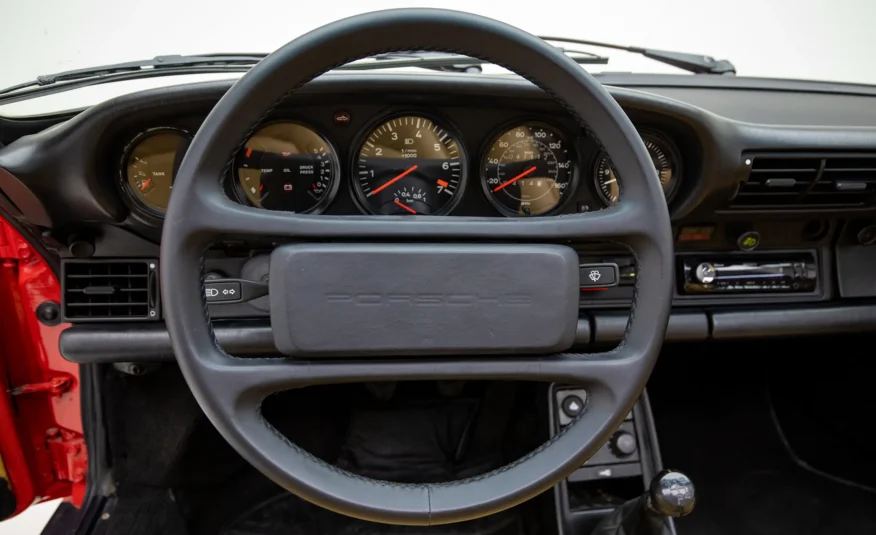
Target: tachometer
(665,159)
(409,165)
(287,166)
(150,163)
(528,171)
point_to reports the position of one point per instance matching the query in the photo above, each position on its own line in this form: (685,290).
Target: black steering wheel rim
(230,390)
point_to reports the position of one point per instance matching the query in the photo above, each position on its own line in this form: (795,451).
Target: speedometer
(527,171)
(409,165)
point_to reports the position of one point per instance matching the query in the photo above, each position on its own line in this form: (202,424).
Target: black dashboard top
(73,172)
(65,174)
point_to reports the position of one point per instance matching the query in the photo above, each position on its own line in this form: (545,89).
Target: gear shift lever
(671,494)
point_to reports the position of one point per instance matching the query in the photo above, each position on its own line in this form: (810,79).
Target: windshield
(819,40)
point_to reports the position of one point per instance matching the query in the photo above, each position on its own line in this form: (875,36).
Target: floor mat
(289,515)
(142,511)
(720,432)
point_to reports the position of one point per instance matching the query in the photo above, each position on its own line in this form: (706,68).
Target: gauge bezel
(323,203)
(359,141)
(574,160)
(674,154)
(129,195)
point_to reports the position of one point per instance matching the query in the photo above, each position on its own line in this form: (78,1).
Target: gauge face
(287,166)
(151,161)
(528,171)
(665,160)
(409,165)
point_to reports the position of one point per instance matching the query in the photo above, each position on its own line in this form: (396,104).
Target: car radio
(714,274)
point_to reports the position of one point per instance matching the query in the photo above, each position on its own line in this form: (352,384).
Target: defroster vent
(110,290)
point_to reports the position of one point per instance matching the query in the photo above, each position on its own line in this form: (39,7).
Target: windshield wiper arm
(133,70)
(229,63)
(695,63)
(440,61)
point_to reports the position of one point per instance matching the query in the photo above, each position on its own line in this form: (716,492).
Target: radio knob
(705,273)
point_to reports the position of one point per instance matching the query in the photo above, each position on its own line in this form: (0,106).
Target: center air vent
(109,290)
(788,181)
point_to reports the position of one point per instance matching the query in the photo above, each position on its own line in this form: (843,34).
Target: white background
(806,39)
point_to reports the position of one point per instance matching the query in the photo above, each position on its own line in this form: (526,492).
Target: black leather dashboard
(63,173)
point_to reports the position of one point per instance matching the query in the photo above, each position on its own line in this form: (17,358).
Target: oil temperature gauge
(287,166)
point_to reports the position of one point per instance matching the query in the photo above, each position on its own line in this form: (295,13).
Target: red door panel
(41,441)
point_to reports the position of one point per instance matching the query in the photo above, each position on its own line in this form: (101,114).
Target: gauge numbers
(528,171)
(409,165)
(666,162)
(287,166)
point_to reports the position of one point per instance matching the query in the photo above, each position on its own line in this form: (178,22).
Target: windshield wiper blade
(695,63)
(155,64)
(134,70)
(444,62)
(231,63)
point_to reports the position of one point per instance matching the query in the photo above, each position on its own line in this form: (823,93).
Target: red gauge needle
(145,184)
(406,207)
(515,179)
(394,180)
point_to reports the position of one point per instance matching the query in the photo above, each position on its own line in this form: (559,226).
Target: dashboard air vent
(788,181)
(109,290)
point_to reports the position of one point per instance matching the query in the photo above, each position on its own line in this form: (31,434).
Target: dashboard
(347,159)
(774,212)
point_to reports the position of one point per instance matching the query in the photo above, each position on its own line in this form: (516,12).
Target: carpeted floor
(720,430)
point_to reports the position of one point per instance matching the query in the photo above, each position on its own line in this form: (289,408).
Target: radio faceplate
(706,274)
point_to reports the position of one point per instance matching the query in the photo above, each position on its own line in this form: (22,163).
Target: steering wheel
(230,390)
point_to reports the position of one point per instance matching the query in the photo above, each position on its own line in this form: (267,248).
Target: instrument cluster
(403,163)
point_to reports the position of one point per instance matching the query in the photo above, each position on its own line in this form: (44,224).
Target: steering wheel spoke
(247,380)
(244,383)
(221,218)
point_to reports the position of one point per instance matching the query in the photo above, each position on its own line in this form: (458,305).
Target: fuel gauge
(151,161)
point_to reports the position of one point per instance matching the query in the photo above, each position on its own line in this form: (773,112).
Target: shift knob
(671,494)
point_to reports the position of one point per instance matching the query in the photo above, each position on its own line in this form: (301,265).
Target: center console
(620,470)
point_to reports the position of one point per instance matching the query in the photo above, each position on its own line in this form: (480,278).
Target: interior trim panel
(86,344)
